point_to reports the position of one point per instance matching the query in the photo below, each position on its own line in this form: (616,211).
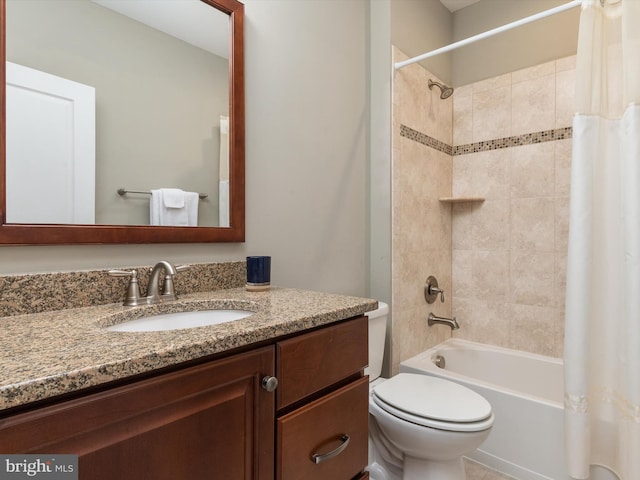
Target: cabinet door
(212,421)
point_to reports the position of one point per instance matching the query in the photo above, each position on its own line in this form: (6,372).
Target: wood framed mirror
(166,122)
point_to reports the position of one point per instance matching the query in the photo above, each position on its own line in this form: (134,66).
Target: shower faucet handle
(431,290)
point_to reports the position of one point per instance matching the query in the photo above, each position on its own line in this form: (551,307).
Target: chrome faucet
(450,322)
(134,297)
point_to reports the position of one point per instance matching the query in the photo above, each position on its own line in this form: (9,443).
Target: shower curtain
(602,337)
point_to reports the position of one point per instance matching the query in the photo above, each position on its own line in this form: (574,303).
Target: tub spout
(451,322)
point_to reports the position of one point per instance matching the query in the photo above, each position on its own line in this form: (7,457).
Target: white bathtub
(525,392)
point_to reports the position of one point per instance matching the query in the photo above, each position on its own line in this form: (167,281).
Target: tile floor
(475,471)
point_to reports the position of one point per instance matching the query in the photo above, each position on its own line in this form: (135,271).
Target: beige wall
(539,42)
(509,252)
(421,224)
(307,121)
(418,26)
(158,100)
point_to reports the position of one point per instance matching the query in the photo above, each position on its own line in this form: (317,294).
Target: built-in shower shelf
(461,199)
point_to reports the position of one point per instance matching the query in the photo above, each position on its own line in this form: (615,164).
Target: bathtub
(526,394)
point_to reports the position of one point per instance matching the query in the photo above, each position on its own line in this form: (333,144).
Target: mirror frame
(58,234)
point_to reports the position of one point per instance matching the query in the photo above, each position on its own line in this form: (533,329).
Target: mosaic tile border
(425,139)
(506,142)
(515,141)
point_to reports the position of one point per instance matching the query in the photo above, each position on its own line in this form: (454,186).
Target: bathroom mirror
(195,165)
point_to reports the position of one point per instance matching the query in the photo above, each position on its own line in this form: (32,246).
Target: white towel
(172,198)
(174,207)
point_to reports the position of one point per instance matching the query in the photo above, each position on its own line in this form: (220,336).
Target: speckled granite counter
(47,354)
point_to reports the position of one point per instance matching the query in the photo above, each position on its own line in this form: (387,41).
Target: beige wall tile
(565,94)
(534,329)
(462,119)
(566,63)
(533,105)
(532,278)
(563,167)
(530,73)
(561,224)
(421,224)
(492,114)
(532,224)
(532,170)
(484,174)
(462,215)
(484,322)
(492,83)
(491,227)
(462,274)
(560,280)
(490,275)
(502,262)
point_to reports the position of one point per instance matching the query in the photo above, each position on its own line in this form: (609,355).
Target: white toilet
(419,426)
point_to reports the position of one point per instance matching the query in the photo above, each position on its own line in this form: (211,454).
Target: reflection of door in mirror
(158,98)
(52,179)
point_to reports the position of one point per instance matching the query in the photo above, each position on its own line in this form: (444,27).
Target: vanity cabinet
(211,421)
(216,421)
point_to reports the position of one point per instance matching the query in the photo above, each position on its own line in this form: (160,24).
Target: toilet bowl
(420,426)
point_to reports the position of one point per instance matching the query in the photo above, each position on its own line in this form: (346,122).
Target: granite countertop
(43,355)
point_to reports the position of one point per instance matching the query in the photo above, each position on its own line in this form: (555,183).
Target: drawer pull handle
(317,457)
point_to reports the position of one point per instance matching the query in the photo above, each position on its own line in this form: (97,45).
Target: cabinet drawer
(316,360)
(321,427)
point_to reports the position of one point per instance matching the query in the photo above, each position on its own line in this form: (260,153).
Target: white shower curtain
(602,337)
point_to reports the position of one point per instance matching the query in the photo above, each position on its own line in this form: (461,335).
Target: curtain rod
(490,33)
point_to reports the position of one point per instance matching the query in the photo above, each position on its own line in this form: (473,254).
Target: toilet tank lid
(383,309)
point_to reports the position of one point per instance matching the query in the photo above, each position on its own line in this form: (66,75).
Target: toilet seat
(433,402)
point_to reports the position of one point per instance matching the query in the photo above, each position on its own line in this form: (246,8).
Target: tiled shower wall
(421,225)
(501,262)
(509,252)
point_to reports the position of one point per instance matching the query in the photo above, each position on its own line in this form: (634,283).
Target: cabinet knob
(269,383)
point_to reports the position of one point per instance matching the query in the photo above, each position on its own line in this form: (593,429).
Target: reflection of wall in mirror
(223,194)
(158,100)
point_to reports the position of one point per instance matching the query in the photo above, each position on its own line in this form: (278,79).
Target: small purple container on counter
(258,273)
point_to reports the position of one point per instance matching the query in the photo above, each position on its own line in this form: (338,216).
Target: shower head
(445,92)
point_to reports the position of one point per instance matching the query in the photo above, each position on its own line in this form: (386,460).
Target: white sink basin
(176,321)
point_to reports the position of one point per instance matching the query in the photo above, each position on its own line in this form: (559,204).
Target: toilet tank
(377,334)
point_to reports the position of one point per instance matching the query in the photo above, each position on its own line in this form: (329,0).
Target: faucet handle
(168,291)
(431,290)
(133,297)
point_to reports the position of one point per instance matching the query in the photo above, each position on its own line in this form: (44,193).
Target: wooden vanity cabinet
(322,398)
(216,421)
(211,421)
